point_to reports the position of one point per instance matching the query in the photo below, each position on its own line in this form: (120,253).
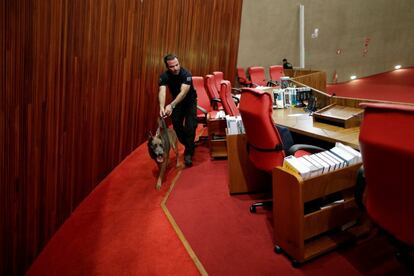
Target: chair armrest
(214,103)
(202,109)
(236,100)
(215,100)
(236,90)
(310,148)
(272,82)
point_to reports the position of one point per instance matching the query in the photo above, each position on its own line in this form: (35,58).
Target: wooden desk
(217,137)
(297,121)
(304,233)
(301,235)
(243,175)
(300,122)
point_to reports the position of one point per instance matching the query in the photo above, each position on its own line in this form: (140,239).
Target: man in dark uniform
(183,107)
(286,64)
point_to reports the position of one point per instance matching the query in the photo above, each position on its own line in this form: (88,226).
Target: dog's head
(156,148)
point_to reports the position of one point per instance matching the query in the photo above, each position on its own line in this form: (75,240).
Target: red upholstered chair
(204,109)
(218,77)
(275,72)
(257,75)
(213,93)
(203,101)
(242,78)
(387,147)
(227,100)
(268,144)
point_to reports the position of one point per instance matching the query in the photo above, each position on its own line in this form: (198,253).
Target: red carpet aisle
(228,240)
(119,229)
(395,86)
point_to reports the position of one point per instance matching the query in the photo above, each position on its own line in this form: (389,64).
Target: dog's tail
(164,132)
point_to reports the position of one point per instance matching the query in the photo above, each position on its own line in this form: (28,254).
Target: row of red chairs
(214,94)
(257,76)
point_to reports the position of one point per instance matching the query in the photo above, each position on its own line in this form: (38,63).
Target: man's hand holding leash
(165,112)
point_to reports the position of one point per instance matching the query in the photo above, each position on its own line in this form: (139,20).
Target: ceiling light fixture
(397,67)
(353,77)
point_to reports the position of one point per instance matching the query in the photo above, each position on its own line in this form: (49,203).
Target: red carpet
(229,240)
(395,86)
(119,229)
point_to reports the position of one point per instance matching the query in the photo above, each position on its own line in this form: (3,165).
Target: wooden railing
(314,79)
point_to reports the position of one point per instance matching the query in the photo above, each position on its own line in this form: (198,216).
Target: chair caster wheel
(295,263)
(278,249)
(252,209)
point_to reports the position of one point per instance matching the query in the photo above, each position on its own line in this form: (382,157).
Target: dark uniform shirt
(174,83)
(287,65)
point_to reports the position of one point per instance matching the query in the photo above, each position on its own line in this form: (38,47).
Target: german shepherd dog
(159,147)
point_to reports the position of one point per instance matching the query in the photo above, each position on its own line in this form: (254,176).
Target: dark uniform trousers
(184,120)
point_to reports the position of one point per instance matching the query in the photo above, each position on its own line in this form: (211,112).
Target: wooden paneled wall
(79,93)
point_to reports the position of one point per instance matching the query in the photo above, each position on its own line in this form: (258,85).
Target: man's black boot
(187,160)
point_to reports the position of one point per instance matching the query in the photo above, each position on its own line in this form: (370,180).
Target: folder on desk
(278,98)
(356,154)
(292,164)
(336,158)
(330,163)
(314,170)
(336,163)
(340,153)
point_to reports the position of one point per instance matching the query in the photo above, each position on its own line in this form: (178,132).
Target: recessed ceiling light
(397,66)
(353,77)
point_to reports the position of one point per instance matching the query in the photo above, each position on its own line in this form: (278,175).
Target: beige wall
(270,32)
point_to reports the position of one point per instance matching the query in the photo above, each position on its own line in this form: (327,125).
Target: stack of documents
(319,163)
(350,155)
(220,115)
(234,125)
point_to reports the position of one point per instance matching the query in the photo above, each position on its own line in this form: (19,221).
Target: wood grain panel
(4,208)
(79,93)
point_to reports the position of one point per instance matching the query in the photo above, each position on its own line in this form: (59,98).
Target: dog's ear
(150,145)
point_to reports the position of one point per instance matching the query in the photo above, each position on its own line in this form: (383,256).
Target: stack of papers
(220,114)
(234,125)
(319,163)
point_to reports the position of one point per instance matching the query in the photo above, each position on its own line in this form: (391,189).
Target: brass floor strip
(177,229)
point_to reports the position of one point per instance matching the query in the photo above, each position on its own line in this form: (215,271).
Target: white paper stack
(314,170)
(319,163)
(234,125)
(357,155)
(342,162)
(220,114)
(278,98)
(346,153)
(295,166)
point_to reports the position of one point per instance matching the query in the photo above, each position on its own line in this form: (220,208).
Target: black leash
(164,132)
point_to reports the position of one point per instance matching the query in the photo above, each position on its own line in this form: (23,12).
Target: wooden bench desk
(299,121)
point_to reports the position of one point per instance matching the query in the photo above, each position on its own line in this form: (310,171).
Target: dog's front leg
(174,145)
(163,168)
(177,157)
